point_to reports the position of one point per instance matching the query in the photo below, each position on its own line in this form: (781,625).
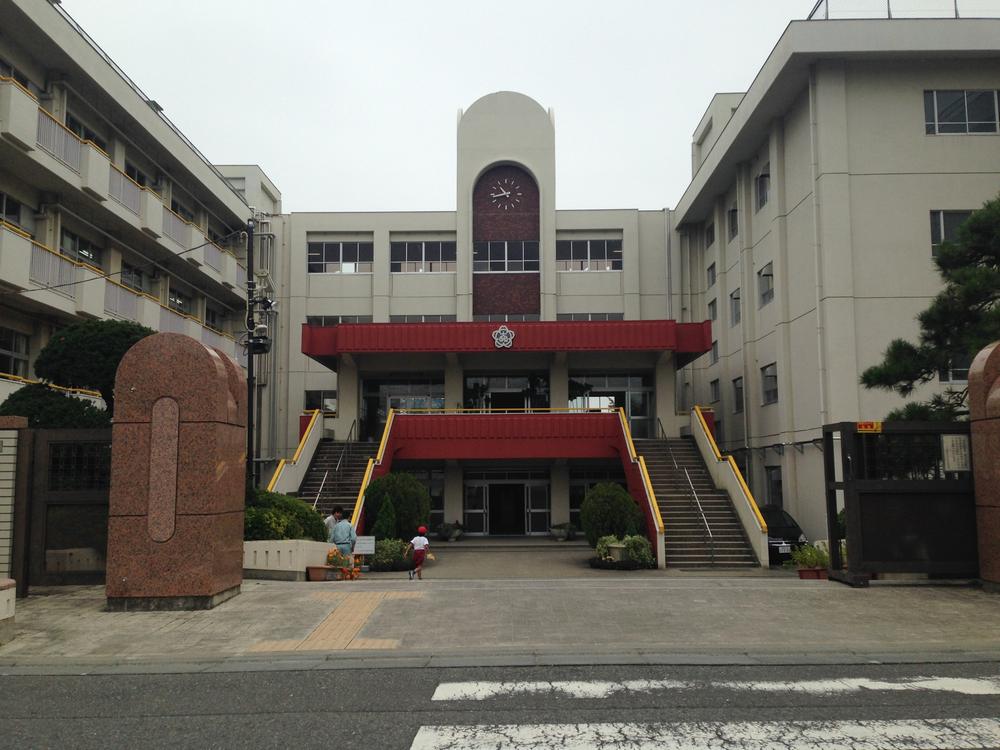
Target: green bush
(264,523)
(609,509)
(601,548)
(389,555)
(638,549)
(810,556)
(410,499)
(385,525)
(48,408)
(300,521)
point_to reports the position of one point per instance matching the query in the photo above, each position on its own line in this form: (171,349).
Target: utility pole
(251,468)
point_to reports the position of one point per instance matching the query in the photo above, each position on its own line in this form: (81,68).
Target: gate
(68,507)
(908,495)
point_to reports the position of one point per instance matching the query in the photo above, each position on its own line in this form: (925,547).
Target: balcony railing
(241,276)
(52,270)
(176,228)
(213,256)
(172,322)
(123,190)
(58,141)
(826,10)
(121,301)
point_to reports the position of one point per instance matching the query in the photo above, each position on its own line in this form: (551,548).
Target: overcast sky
(352,106)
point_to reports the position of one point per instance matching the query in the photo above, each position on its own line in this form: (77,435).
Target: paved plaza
(503,607)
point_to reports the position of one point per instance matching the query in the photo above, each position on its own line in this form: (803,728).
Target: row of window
(333,320)
(10,209)
(960,111)
(13,352)
(768,384)
(440,256)
(765,294)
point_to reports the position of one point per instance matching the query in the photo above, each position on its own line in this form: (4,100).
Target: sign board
(869,427)
(955,452)
(364,545)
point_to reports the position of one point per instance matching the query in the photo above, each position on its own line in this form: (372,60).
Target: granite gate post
(178,456)
(984,412)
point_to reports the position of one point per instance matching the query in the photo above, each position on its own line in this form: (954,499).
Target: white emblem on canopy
(503,338)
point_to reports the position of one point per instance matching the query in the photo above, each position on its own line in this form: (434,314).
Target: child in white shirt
(419,545)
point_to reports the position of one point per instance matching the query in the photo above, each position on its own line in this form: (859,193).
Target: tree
(86,355)
(961,320)
(608,509)
(385,525)
(47,408)
(410,499)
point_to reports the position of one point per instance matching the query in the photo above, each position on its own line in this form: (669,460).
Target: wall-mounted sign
(503,338)
(364,545)
(869,427)
(955,453)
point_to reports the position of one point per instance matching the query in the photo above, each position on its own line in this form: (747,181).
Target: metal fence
(826,10)
(58,141)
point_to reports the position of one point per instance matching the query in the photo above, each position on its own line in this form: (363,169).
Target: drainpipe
(818,249)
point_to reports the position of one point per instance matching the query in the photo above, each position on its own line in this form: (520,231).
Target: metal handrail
(347,444)
(670,451)
(701,512)
(662,432)
(321,486)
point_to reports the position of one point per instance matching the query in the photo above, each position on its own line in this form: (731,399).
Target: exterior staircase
(687,541)
(341,485)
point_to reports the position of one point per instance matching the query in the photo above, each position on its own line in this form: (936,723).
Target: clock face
(505,193)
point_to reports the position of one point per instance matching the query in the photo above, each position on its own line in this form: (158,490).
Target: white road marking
(929,734)
(480,691)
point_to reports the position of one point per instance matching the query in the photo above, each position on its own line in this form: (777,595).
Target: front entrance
(505,505)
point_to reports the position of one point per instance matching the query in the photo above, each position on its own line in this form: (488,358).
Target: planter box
(284,560)
(322,573)
(7,594)
(813,573)
(617,552)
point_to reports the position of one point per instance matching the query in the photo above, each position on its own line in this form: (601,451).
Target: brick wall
(506,293)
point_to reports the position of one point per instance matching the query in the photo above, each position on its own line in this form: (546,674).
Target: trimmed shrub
(609,510)
(264,523)
(389,555)
(410,499)
(47,408)
(638,549)
(385,525)
(300,521)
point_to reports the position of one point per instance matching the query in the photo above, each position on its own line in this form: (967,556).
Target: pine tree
(385,523)
(961,320)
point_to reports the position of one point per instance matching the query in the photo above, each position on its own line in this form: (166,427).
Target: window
(590,316)
(422,318)
(588,255)
(506,318)
(733,220)
(213,318)
(326,401)
(419,257)
(181,210)
(498,257)
(336,320)
(134,278)
(958,370)
(710,276)
(340,257)
(772,479)
(13,353)
(713,311)
(710,235)
(765,284)
(769,383)
(714,355)
(737,395)
(761,187)
(135,174)
(713,391)
(10,210)
(959,111)
(84,133)
(180,302)
(7,70)
(735,310)
(80,248)
(944,227)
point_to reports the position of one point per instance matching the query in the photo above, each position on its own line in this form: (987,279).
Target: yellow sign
(869,426)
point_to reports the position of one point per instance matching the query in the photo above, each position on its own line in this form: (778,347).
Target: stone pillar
(559,381)
(984,413)
(454,383)
(454,489)
(559,492)
(178,457)
(9,427)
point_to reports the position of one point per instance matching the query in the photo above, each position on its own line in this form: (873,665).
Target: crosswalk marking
(927,734)
(480,691)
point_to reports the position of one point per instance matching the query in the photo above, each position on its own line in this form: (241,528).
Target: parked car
(783,533)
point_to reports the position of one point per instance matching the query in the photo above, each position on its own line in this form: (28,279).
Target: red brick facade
(505,293)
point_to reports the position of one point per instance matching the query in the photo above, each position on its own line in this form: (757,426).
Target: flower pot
(317,572)
(812,573)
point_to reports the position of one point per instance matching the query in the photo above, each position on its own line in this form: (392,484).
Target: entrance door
(506,509)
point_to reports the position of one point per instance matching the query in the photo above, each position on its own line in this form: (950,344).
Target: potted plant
(456,531)
(563,532)
(812,561)
(445,530)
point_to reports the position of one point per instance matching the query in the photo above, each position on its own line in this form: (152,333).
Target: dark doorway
(506,509)
(507,400)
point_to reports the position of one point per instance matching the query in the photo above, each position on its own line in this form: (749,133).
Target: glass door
(536,508)
(475,509)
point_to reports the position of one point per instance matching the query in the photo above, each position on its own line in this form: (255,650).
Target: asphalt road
(696,706)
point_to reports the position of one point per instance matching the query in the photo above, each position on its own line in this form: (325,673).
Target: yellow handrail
(735,468)
(29,381)
(372,462)
(646,481)
(518,410)
(298,452)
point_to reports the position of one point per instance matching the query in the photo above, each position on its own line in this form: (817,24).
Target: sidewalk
(594,617)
